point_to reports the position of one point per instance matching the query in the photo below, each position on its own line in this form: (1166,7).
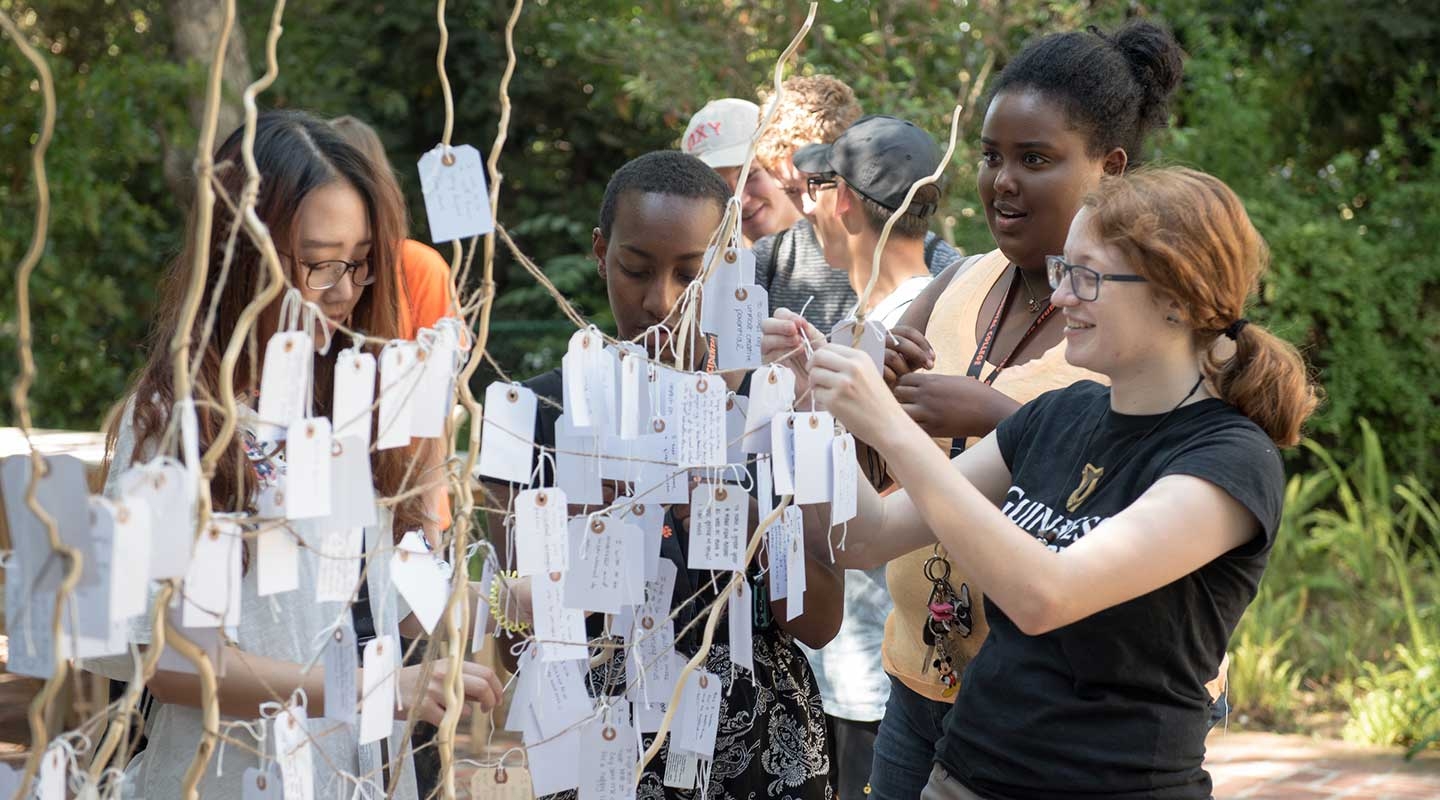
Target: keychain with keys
(947,614)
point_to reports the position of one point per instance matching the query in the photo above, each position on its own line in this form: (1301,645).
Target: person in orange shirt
(424,273)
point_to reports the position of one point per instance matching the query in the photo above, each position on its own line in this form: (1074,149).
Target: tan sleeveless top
(951,331)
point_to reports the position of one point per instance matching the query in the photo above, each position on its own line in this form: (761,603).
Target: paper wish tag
(650,519)
(561,630)
(772,391)
(128,530)
(162,487)
(777,551)
(284,383)
(457,204)
(340,665)
(400,370)
(584,379)
(814,431)
(292,750)
(648,716)
(212,583)
(507,433)
(719,516)
(61,491)
(732,267)
(735,407)
(701,420)
(354,395)
(308,466)
(598,563)
(542,540)
(682,770)
(421,578)
(435,386)
(651,668)
(636,377)
(481,622)
(562,700)
(577,464)
(795,578)
(742,647)
(352,487)
(338,569)
(872,339)
(377,699)
(501,783)
(54,774)
(277,554)
(608,752)
(555,764)
(845,475)
(782,452)
(266,784)
(738,340)
(9,780)
(698,716)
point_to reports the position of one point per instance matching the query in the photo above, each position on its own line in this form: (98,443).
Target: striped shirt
(792,268)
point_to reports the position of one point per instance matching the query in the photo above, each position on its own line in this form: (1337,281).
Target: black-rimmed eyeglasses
(322,275)
(815,183)
(1084,282)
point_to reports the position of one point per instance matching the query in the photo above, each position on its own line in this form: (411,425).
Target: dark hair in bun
(1114,87)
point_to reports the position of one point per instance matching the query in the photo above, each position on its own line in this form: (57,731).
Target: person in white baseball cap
(719,135)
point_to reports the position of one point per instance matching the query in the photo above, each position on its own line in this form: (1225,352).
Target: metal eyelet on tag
(721,494)
(790,423)
(420,355)
(214,534)
(701,385)
(310,431)
(501,776)
(448,159)
(279,498)
(730,256)
(638,509)
(773,378)
(704,681)
(647,622)
(122,514)
(814,421)
(289,345)
(260,782)
(160,481)
(512,396)
(585,343)
(404,555)
(597,526)
(658,425)
(336,449)
(339,637)
(729,404)
(379,648)
(541,499)
(741,294)
(555,577)
(608,734)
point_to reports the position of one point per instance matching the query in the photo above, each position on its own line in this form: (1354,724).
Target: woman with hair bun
(1118,533)
(984,337)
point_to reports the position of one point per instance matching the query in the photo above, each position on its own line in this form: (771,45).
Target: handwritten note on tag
(582,374)
(457,204)
(733,267)
(284,383)
(507,434)
(421,579)
(795,578)
(308,460)
(814,431)
(782,452)
(212,583)
(597,564)
(735,407)
(846,476)
(652,668)
(738,340)
(608,755)
(354,395)
(292,750)
(701,417)
(772,391)
(435,386)
(682,770)
(699,715)
(542,542)
(339,565)
(561,630)
(278,554)
(377,701)
(399,372)
(340,675)
(718,517)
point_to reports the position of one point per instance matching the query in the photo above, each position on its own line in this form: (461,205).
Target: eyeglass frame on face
(820,179)
(352,268)
(1057,268)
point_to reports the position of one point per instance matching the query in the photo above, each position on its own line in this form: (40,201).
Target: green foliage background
(1322,114)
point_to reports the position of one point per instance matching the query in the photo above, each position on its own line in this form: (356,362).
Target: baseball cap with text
(719,134)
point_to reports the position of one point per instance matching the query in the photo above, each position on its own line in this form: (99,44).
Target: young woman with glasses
(1117,533)
(326,211)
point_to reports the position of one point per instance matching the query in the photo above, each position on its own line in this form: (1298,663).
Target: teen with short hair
(1118,533)
(719,134)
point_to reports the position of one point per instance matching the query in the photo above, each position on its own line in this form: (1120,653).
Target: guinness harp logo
(1089,479)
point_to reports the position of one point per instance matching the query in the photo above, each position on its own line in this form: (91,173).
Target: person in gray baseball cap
(852,186)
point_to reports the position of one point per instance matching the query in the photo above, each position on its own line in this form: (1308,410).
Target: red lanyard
(987,342)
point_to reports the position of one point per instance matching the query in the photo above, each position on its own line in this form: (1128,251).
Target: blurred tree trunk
(195,26)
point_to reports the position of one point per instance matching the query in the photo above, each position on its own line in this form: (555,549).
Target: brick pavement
(1267,766)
